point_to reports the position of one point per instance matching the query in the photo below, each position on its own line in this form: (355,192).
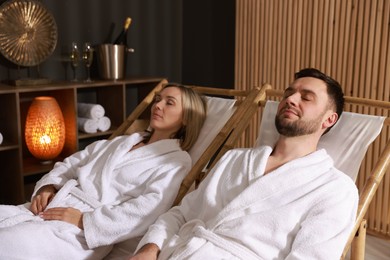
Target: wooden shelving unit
(19,169)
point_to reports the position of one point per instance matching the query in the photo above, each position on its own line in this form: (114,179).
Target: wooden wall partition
(347,39)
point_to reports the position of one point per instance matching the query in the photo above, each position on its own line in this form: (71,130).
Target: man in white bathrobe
(281,202)
(109,192)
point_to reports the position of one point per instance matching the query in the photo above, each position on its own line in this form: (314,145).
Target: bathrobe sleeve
(110,224)
(67,169)
(325,230)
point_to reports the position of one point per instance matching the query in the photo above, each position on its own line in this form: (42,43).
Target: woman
(109,192)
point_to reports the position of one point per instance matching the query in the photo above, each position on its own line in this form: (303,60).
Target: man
(285,202)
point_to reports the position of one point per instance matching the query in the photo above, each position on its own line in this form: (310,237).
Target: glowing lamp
(45,128)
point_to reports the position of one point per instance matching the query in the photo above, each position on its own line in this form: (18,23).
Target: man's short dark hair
(333,87)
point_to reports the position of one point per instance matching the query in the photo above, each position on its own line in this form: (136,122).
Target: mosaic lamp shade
(45,128)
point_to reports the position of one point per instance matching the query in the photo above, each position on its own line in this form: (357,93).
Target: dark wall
(185,41)
(208,42)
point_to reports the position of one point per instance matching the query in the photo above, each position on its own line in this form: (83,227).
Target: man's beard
(298,127)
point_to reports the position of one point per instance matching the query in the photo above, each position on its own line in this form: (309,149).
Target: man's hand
(147,252)
(70,215)
(42,199)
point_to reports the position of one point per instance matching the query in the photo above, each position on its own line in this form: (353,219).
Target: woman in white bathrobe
(109,192)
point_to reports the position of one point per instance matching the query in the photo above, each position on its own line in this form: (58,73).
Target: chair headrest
(219,110)
(347,142)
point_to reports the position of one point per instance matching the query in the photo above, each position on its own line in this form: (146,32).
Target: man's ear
(330,119)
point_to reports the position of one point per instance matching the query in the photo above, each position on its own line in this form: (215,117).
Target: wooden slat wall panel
(348,40)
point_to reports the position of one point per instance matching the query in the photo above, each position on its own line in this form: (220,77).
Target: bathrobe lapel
(112,159)
(149,152)
(275,187)
(122,156)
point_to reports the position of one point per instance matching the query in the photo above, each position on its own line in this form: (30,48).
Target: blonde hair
(194,115)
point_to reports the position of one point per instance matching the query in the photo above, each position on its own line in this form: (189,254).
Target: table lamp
(45,129)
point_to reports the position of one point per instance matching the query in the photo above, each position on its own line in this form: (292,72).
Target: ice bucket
(112,60)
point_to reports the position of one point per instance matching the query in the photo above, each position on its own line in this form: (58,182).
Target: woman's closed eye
(157,98)
(171,102)
(168,100)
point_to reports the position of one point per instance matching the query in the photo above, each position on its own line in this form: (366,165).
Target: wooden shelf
(32,166)
(21,170)
(98,134)
(8,146)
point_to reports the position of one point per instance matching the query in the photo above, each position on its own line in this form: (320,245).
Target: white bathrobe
(305,209)
(121,193)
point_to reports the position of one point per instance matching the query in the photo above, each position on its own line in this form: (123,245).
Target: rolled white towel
(88,110)
(87,125)
(104,124)
(1,138)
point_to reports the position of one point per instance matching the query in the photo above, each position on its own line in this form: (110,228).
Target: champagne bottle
(122,37)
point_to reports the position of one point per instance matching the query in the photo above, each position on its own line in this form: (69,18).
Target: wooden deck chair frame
(356,240)
(247,106)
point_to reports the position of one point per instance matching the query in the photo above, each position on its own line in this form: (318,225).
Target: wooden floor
(377,249)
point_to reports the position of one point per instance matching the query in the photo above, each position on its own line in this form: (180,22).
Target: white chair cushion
(347,142)
(219,110)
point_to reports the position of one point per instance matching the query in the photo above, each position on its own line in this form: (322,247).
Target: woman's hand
(42,199)
(70,215)
(147,252)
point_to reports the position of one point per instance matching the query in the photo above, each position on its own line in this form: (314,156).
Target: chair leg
(359,243)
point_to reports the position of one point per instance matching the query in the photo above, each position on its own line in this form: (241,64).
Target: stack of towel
(91,118)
